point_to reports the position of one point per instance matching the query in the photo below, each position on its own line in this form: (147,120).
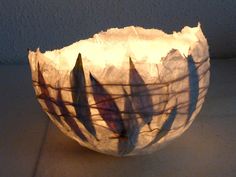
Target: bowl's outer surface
(124,111)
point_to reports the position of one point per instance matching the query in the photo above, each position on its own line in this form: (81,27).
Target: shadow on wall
(51,24)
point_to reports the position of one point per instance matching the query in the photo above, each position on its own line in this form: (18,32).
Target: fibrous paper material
(122,92)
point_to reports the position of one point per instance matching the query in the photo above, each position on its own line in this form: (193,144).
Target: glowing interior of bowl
(115,46)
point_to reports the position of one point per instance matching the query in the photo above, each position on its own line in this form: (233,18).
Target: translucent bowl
(108,115)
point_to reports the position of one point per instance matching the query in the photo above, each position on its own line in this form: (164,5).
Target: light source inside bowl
(128,91)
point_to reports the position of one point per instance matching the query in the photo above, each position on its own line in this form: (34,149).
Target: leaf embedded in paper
(68,119)
(107,107)
(79,96)
(140,95)
(126,145)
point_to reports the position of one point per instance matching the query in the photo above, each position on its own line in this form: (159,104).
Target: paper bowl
(135,108)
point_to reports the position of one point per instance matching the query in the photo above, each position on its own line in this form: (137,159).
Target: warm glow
(124,91)
(115,46)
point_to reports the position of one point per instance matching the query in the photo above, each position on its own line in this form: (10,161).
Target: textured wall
(50,24)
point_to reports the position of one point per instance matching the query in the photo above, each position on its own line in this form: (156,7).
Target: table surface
(30,145)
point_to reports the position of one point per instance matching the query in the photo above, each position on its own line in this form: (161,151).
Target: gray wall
(50,24)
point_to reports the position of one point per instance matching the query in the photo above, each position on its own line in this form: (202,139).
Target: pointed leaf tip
(90,75)
(131,64)
(94,81)
(79,63)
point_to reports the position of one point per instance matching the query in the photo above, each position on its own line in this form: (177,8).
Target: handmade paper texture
(124,110)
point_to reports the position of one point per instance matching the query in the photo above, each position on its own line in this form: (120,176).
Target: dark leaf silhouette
(193,86)
(165,127)
(79,96)
(68,119)
(141,99)
(126,145)
(44,95)
(107,107)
